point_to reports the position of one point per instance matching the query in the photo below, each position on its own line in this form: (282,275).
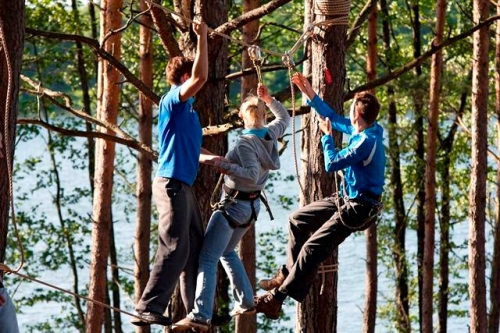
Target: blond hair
(253,112)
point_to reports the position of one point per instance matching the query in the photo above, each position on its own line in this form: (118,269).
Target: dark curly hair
(367,106)
(176,68)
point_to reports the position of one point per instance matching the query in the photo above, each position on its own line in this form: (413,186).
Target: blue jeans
(220,242)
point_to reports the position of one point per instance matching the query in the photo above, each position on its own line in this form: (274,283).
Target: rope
(323,269)
(294,145)
(338,8)
(6,138)
(9,270)
(214,198)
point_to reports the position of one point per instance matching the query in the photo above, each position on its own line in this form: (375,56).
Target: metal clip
(287,59)
(254,53)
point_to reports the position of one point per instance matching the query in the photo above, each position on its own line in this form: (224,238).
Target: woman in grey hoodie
(246,170)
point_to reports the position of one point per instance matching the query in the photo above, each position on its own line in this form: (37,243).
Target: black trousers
(315,231)
(180,237)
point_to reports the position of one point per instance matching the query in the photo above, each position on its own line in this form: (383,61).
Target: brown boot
(269,304)
(276,281)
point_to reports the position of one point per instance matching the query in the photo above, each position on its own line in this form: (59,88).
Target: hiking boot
(148,318)
(269,304)
(220,319)
(238,310)
(276,281)
(191,322)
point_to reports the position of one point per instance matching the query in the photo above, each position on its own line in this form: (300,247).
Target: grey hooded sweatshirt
(252,157)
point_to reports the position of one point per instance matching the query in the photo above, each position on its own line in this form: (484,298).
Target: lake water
(351,252)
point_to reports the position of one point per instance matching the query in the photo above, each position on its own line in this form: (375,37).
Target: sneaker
(148,318)
(268,304)
(220,319)
(238,310)
(276,281)
(191,322)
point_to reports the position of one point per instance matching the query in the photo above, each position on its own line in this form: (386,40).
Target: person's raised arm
(304,85)
(199,73)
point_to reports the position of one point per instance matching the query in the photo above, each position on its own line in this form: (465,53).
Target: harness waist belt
(241,195)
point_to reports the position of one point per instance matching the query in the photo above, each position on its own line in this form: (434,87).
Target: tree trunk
(371,279)
(248,323)
(108,103)
(399,252)
(144,164)
(84,82)
(477,196)
(494,313)
(418,102)
(318,312)
(11,51)
(445,218)
(430,175)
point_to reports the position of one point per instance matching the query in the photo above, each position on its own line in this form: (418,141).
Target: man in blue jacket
(317,229)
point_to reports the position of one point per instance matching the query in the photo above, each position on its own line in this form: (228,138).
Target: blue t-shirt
(179,137)
(364,157)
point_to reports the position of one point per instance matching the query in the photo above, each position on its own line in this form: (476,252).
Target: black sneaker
(220,319)
(148,318)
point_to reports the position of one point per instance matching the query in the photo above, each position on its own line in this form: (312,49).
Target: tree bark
(144,164)
(494,313)
(430,175)
(318,312)
(418,102)
(446,147)
(11,51)
(477,195)
(371,279)
(108,103)
(399,251)
(248,323)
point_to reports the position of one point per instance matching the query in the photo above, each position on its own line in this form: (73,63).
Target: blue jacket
(363,158)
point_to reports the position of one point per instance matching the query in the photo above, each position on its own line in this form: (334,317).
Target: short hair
(367,105)
(253,111)
(176,68)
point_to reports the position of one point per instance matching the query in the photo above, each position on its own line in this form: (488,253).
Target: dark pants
(180,236)
(315,231)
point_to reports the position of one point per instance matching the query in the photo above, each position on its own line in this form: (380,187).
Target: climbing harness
(232,196)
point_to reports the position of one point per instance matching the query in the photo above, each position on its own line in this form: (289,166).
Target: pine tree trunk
(248,323)
(430,176)
(108,103)
(477,196)
(401,269)
(445,219)
(494,313)
(318,312)
(371,279)
(144,165)
(11,51)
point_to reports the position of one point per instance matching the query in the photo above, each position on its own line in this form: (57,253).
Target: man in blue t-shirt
(180,227)
(316,230)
